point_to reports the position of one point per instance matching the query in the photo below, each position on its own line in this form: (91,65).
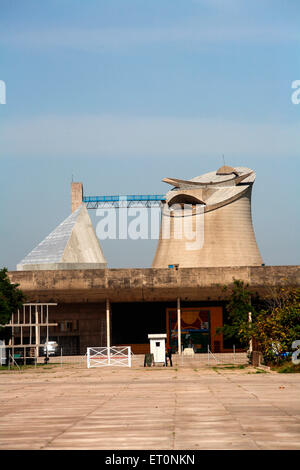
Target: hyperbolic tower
(214,210)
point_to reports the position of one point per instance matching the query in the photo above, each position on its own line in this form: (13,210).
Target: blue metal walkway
(131,200)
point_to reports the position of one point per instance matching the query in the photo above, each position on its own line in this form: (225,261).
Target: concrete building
(206,221)
(136,302)
(181,295)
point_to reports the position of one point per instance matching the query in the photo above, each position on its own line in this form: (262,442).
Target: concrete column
(30,328)
(76,195)
(108,323)
(179,324)
(37,332)
(250,321)
(47,321)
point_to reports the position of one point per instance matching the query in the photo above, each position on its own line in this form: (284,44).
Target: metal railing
(226,358)
(131,200)
(210,359)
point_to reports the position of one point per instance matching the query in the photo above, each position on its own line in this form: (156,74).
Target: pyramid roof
(73,244)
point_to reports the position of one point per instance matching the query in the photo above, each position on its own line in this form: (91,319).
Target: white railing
(113,356)
(226,357)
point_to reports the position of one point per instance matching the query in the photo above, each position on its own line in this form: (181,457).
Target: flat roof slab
(137,285)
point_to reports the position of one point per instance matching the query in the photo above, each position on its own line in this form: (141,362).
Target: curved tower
(206,221)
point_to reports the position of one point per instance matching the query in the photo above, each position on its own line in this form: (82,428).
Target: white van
(50,348)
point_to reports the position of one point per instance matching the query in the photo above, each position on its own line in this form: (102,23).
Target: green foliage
(277,327)
(238,308)
(11,298)
(275,323)
(289,368)
(286,367)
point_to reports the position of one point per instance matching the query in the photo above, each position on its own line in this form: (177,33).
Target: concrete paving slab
(156,408)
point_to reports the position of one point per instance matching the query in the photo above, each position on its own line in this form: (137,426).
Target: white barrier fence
(113,356)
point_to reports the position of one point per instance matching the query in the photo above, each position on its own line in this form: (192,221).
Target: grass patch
(25,367)
(286,368)
(229,366)
(261,371)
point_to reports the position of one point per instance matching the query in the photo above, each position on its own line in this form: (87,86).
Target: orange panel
(216,320)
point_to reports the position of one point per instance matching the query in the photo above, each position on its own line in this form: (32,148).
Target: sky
(119,94)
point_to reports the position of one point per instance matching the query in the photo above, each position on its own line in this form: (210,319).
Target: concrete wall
(134,285)
(89,322)
(81,294)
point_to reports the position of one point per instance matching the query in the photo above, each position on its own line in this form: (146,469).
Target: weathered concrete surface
(225,236)
(125,285)
(149,408)
(219,215)
(83,245)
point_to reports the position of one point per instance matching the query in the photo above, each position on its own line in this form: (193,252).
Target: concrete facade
(99,306)
(140,300)
(151,285)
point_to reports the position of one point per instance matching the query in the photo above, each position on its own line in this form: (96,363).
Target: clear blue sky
(121,93)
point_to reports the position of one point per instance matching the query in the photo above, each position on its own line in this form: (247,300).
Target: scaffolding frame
(33,316)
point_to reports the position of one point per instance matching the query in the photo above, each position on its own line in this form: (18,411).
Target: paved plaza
(184,407)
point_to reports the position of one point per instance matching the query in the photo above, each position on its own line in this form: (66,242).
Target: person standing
(169,356)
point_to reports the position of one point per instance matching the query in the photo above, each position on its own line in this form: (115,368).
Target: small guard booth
(158,347)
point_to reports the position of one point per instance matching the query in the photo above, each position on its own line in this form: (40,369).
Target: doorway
(195,329)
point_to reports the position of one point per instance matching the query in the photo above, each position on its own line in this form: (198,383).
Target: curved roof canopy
(212,189)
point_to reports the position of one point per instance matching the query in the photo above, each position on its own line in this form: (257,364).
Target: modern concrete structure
(122,306)
(206,221)
(72,245)
(97,306)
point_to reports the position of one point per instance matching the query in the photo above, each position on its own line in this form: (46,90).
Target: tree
(238,309)
(277,327)
(275,319)
(11,298)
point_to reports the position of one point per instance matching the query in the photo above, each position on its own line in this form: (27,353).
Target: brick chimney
(76,195)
